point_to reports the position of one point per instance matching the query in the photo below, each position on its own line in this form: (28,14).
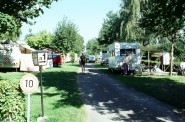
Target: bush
(72,56)
(12,102)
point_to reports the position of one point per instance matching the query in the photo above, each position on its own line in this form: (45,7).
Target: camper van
(124,53)
(91,58)
(104,57)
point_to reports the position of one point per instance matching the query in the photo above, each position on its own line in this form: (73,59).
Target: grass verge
(62,101)
(169,89)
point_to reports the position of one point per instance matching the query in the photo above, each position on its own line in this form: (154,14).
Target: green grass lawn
(62,102)
(169,89)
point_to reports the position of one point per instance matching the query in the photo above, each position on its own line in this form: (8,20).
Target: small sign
(40,57)
(29,83)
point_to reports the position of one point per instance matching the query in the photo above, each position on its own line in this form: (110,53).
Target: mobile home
(124,53)
(92,58)
(104,57)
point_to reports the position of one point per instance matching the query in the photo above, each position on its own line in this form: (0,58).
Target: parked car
(56,58)
(91,59)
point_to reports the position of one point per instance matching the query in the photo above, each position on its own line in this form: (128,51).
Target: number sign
(29,83)
(42,58)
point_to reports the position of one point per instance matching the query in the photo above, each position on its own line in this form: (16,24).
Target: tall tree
(65,36)
(110,30)
(130,15)
(164,18)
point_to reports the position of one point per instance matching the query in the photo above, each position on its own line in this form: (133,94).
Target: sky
(87,15)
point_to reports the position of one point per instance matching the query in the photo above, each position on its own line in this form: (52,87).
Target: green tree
(130,14)
(66,37)
(14,12)
(9,27)
(79,44)
(164,18)
(110,30)
(24,10)
(40,40)
(93,47)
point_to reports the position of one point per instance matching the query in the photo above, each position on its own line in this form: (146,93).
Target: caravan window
(125,52)
(104,51)
(122,52)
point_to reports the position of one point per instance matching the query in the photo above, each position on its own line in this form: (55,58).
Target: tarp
(26,49)
(27,63)
(165,58)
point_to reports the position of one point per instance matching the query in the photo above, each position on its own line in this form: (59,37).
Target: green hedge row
(12,102)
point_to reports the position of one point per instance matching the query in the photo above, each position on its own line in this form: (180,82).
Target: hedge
(12,102)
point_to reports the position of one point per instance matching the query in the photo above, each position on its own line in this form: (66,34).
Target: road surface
(107,100)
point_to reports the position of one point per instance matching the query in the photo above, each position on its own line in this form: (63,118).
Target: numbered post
(28,107)
(29,84)
(40,58)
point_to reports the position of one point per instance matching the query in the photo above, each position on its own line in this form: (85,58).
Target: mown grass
(169,89)
(62,101)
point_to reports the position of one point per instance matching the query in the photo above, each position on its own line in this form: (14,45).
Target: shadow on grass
(7,70)
(64,84)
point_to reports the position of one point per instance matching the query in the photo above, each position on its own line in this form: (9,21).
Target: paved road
(107,100)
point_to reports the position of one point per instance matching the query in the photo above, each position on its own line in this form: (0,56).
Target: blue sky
(87,15)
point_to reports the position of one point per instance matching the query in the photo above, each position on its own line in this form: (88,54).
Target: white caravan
(9,55)
(104,57)
(92,58)
(124,52)
(17,56)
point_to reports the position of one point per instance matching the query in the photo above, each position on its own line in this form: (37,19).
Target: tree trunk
(148,59)
(171,59)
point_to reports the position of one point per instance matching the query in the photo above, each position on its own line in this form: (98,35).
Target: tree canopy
(9,26)
(93,47)
(110,30)
(66,37)
(163,18)
(39,41)
(14,12)
(130,15)
(24,9)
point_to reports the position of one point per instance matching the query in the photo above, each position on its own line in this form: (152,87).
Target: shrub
(12,107)
(72,56)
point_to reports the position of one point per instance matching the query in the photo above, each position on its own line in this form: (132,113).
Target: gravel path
(107,100)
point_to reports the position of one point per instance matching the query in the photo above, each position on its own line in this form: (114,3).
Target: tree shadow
(124,102)
(65,85)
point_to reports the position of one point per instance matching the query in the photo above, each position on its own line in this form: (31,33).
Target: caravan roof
(128,45)
(124,45)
